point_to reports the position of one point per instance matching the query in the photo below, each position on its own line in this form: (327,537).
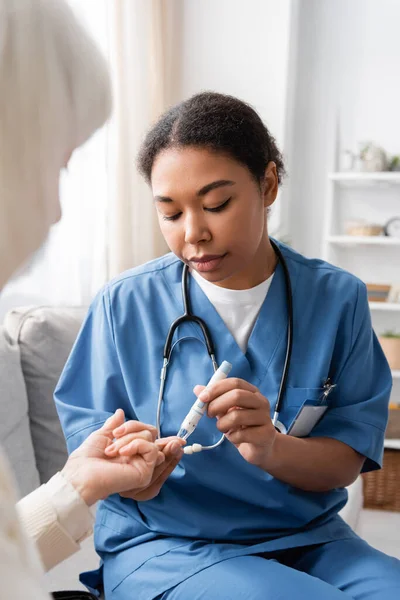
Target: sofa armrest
(352,510)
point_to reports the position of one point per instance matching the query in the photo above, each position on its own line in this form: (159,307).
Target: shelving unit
(352,240)
(392,443)
(352,177)
(384,306)
(374,197)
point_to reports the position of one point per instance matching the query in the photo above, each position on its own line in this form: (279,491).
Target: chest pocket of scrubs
(294,400)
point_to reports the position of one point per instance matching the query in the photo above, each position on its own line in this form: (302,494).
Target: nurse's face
(212,214)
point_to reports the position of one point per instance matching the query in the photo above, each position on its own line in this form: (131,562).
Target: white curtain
(109,222)
(138,67)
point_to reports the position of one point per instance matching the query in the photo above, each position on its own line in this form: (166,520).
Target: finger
(166,472)
(224,386)
(233,399)
(160,475)
(114,448)
(158,481)
(147,449)
(250,435)
(160,459)
(162,442)
(239,419)
(198,389)
(173,448)
(114,421)
(134,427)
(143,447)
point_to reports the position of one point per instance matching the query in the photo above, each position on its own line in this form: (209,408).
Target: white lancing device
(198,409)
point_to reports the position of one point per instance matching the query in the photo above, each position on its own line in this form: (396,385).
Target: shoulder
(141,282)
(319,276)
(145,271)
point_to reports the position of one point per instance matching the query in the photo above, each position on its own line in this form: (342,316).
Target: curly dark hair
(218,122)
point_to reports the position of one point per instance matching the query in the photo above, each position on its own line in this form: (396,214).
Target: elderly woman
(54,94)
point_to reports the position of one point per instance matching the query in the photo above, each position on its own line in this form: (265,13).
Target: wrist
(74,475)
(270,457)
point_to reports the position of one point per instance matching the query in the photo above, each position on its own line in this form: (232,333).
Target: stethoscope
(189,317)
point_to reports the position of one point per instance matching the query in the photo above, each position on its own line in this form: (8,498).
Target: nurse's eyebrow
(162,199)
(203,191)
(213,186)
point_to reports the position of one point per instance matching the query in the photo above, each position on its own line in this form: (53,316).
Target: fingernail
(204,396)
(110,449)
(120,429)
(176,450)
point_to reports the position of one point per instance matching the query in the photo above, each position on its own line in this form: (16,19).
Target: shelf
(373,240)
(384,306)
(394,444)
(354,177)
(396,374)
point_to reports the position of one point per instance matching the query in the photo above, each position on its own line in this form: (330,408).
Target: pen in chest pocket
(327,388)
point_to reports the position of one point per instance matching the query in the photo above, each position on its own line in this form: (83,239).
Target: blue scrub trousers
(333,571)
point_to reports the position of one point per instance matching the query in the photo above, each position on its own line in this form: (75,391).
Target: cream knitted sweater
(51,522)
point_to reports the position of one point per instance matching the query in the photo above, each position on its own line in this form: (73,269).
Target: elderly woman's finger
(113,422)
(114,448)
(162,442)
(134,427)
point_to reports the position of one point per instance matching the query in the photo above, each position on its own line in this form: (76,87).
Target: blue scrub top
(215,504)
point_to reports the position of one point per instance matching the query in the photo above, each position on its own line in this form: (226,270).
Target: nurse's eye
(172,218)
(221,207)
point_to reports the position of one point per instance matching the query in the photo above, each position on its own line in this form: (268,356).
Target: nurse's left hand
(95,473)
(243,415)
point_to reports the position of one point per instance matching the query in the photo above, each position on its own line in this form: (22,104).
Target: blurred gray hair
(54,93)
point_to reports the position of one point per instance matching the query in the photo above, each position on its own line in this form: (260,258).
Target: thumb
(198,389)
(117,419)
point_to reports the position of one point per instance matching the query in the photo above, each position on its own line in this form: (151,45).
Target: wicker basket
(393,426)
(364,229)
(382,488)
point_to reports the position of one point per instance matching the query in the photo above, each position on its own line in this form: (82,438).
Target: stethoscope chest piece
(279,426)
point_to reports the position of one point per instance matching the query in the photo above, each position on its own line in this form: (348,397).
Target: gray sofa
(34,345)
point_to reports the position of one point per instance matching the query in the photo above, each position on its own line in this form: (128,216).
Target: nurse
(257,517)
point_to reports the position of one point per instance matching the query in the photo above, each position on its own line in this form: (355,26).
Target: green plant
(394,164)
(390,334)
(364,149)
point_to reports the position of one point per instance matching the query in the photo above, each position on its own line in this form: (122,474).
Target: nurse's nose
(196,230)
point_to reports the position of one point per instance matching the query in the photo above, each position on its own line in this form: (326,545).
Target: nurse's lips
(208,262)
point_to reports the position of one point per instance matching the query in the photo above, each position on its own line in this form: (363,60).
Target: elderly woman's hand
(171,449)
(95,475)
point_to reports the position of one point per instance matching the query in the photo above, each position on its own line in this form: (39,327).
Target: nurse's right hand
(172,449)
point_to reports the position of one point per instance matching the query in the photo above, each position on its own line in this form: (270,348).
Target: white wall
(348,59)
(238,47)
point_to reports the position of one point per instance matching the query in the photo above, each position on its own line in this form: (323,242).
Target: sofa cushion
(45,336)
(15,435)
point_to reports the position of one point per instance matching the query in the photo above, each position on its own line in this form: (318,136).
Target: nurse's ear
(269,185)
